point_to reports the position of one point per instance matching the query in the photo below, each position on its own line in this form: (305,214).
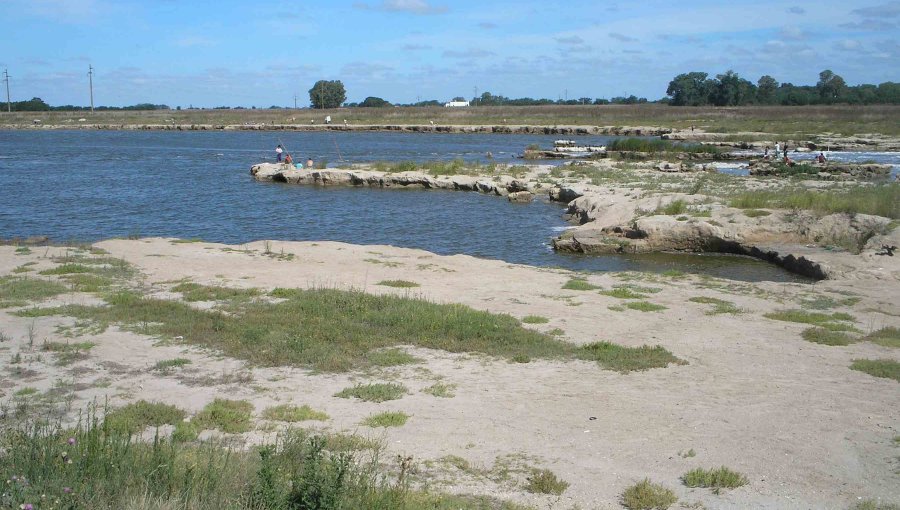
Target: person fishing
(279,150)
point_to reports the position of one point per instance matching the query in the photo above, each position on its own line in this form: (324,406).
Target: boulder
(520,196)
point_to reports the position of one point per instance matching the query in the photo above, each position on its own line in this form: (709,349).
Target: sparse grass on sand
(391,358)
(400,284)
(96,466)
(720,478)
(886,368)
(535,319)
(441,390)
(196,292)
(137,416)
(229,416)
(880,200)
(644,306)
(329,330)
(720,305)
(167,365)
(871,504)
(827,337)
(544,481)
(627,359)
(673,208)
(579,284)
(833,322)
(646,495)
(887,337)
(19,291)
(623,293)
(386,419)
(376,392)
(292,414)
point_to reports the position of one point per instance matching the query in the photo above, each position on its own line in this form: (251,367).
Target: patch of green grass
(290,413)
(401,284)
(673,273)
(871,504)
(720,478)
(168,364)
(623,293)
(535,319)
(229,416)
(391,358)
(886,368)
(70,268)
(26,391)
(68,353)
(24,268)
(377,392)
(627,359)
(720,305)
(386,419)
(646,495)
(139,415)
(827,337)
(328,330)
(833,322)
(19,291)
(521,358)
(672,208)
(186,241)
(441,390)
(579,284)
(86,282)
(756,213)
(615,308)
(23,250)
(544,481)
(827,302)
(644,306)
(196,292)
(880,200)
(887,337)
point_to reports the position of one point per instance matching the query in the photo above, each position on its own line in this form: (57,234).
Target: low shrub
(720,478)
(646,495)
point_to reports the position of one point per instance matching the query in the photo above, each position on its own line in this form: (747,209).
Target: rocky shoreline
(614,220)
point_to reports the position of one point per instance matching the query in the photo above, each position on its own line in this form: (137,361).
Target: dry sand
(807,431)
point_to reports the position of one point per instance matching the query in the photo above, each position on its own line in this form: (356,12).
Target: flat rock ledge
(501,185)
(800,242)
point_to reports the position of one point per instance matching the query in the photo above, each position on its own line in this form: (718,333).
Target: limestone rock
(520,196)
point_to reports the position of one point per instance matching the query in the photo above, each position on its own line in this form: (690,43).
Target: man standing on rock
(278,152)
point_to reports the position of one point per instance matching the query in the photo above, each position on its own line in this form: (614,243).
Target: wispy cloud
(622,37)
(420,7)
(487,25)
(887,10)
(796,9)
(573,40)
(470,53)
(416,47)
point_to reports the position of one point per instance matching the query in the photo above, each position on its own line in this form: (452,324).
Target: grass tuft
(535,319)
(721,478)
(827,337)
(544,481)
(644,306)
(623,293)
(441,390)
(646,495)
(833,322)
(290,413)
(579,284)
(401,284)
(386,419)
(377,392)
(137,416)
(197,292)
(627,359)
(229,416)
(886,368)
(168,364)
(391,358)
(721,306)
(887,337)
(19,291)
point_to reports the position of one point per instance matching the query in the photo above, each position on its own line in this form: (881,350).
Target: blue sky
(260,53)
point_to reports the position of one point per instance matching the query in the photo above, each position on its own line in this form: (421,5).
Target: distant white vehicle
(81,120)
(456,104)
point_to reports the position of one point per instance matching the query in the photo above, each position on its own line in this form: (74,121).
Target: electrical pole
(475,99)
(6,79)
(295,100)
(567,95)
(91,82)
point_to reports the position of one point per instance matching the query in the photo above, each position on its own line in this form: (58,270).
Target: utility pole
(6,79)
(567,95)
(91,82)
(295,100)
(475,99)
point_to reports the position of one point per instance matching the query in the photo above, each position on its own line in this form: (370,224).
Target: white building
(456,104)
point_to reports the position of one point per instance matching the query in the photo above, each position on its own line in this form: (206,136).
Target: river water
(93,185)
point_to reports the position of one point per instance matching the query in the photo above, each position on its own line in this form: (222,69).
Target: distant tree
(374,102)
(888,92)
(35,104)
(600,100)
(831,87)
(327,94)
(689,89)
(729,89)
(458,98)
(765,89)
(430,102)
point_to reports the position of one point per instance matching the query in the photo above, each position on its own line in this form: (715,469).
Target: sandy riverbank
(753,395)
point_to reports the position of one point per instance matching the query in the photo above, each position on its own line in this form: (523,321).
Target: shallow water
(92,185)
(885,158)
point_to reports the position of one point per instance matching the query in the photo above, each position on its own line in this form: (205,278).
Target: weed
(196,292)
(441,390)
(871,504)
(26,391)
(18,291)
(880,200)
(885,368)
(167,365)
(579,284)
(535,319)
(291,413)
(827,337)
(378,392)
(66,269)
(386,419)
(646,495)
(827,302)
(137,416)
(721,478)
(833,322)
(644,306)
(887,337)
(401,284)
(544,481)
(23,250)
(673,208)
(627,359)
(721,306)
(756,213)
(229,416)
(391,358)
(623,293)
(674,274)
(521,358)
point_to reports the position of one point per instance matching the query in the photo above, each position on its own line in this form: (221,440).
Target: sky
(263,53)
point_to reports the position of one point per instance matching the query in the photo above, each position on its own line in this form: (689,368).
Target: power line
(91,82)
(6,79)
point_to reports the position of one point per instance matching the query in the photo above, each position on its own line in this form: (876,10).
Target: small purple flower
(67,490)
(27,506)
(71,441)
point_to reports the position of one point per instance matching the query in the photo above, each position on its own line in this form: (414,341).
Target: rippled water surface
(92,185)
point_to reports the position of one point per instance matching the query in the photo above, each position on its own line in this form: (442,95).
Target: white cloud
(420,7)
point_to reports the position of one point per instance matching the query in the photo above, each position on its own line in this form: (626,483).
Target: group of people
(283,156)
(784,151)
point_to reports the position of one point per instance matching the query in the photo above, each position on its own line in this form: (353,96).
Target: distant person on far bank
(785,150)
(328,119)
(821,158)
(777,150)
(278,152)
(766,153)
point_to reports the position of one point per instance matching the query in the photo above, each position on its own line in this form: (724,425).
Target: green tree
(729,89)
(374,102)
(831,87)
(689,89)
(765,89)
(327,94)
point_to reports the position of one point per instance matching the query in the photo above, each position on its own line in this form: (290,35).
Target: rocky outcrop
(823,171)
